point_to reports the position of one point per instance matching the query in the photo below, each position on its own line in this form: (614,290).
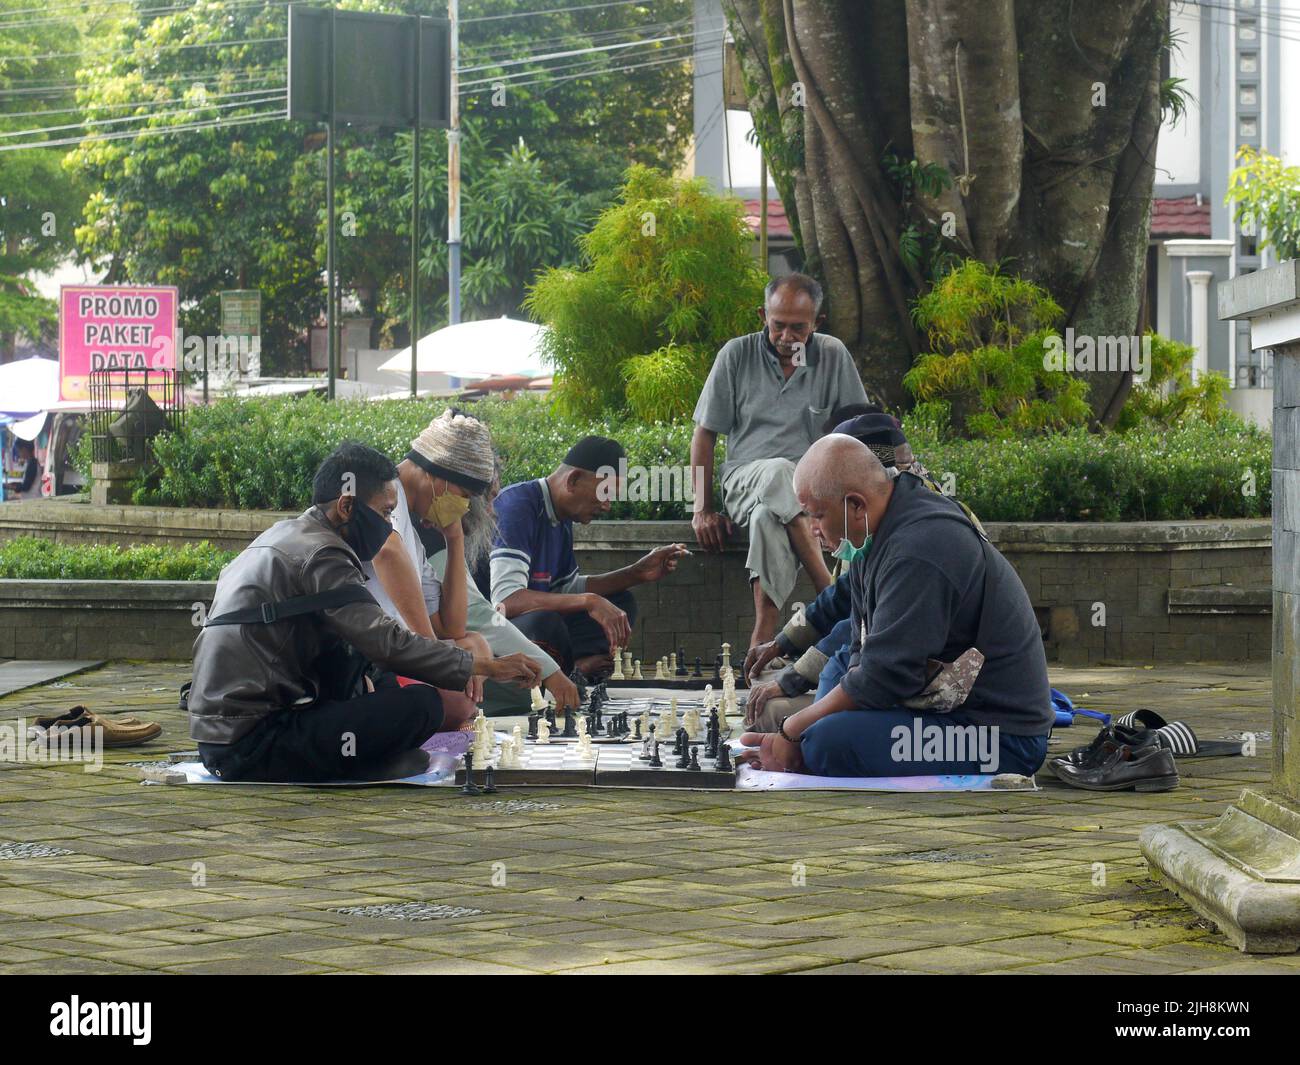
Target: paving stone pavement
(252,878)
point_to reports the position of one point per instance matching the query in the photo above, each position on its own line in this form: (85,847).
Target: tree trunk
(1045,117)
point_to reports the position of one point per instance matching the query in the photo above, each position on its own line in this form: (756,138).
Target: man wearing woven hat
(450,464)
(535,578)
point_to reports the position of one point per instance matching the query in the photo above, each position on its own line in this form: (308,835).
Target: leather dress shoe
(1110,737)
(1148,767)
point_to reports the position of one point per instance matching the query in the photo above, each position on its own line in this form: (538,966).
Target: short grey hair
(800,283)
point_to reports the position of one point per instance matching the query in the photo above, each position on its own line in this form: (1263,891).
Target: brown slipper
(117,732)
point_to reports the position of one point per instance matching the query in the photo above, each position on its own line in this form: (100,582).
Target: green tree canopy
(668,276)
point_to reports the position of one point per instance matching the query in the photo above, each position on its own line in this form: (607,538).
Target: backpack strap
(278,609)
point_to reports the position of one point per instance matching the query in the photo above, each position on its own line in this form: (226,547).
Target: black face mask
(366,531)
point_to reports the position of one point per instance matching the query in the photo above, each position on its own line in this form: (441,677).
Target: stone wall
(1166,591)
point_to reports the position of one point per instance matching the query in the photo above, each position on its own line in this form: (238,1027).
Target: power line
(552,11)
(125,103)
(152,13)
(213,73)
(572,52)
(269,96)
(98,137)
(145,47)
(592,73)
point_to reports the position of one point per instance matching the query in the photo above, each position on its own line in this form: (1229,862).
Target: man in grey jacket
(928,591)
(260,705)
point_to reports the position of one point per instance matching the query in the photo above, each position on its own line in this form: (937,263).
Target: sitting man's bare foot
(594,666)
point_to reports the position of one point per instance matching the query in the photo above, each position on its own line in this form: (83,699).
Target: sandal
(1178,738)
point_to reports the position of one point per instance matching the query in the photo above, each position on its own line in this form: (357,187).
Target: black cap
(593,453)
(879,432)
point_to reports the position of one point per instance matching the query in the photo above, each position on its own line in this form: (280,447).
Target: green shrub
(668,277)
(33,558)
(986,332)
(1194,470)
(261,454)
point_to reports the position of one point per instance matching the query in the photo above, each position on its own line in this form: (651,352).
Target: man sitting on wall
(944,639)
(264,704)
(577,619)
(768,393)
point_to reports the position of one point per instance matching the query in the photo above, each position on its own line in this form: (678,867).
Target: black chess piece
(637,734)
(489,781)
(532,726)
(679,741)
(684,759)
(723,764)
(717,669)
(550,718)
(470,787)
(570,724)
(695,757)
(579,682)
(681,662)
(698,672)
(655,761)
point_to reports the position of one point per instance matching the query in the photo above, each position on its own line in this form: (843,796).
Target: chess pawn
(517,734)
(672,664)
(507,747)
(636,670)
(659,670)
(543,730)
(618,673)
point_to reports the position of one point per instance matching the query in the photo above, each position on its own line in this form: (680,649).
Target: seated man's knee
(427,709)
(777,475)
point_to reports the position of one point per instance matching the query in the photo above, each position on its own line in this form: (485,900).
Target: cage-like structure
(129,407)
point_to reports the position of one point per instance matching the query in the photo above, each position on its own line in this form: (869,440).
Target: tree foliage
(1265,195)
(39,202)
(668,275)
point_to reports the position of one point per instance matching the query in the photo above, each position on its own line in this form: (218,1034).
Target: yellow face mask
(447,508)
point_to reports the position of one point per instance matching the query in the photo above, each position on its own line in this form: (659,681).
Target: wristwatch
(780,728)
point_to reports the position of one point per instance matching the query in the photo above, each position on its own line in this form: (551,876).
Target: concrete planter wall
(1123,592)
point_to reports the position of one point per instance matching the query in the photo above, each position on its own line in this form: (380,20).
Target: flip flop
(1066,711)
(1178,737)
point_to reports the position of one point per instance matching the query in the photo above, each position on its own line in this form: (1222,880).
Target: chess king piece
(543,730)
(618,665)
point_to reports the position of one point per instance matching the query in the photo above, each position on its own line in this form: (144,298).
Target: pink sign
(113,327)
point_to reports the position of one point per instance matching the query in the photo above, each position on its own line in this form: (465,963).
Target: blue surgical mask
(846,552)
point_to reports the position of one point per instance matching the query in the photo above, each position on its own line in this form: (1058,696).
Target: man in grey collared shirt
(769,394)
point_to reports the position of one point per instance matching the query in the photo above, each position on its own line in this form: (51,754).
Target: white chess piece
(618,673)
(539,700)
(517,734)
(645,724)
(726,659)
(710,697)
(636,670)
(627,662)
(672,664)
(507,752)
(543,730)
(582,726)
(584,748)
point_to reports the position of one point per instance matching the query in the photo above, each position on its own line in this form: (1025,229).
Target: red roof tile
(778,226)
(1180,216)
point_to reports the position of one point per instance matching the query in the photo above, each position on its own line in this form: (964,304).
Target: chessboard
(620,766)
(620,720)
(674,672)
(687,683)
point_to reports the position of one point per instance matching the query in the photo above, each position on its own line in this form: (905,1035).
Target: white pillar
(1199,280)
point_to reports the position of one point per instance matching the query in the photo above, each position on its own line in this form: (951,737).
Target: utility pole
(415,211)
(331,251)
(453,170)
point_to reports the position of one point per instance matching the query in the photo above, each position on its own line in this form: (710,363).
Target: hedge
(34,558)
(261,454)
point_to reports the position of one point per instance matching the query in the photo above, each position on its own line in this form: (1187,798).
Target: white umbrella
(477,349)
(28,385)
